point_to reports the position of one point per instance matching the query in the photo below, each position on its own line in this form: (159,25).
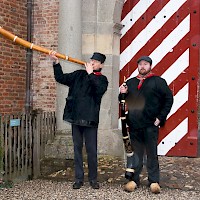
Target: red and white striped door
(167,31)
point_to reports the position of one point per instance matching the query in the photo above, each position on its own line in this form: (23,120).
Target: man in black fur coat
(86,88)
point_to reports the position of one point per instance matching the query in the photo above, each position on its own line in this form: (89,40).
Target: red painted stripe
(171,57)
(128,69)
(173,121)
(128,6)
(141,23)
(194,71)
(179,82)
(185,147)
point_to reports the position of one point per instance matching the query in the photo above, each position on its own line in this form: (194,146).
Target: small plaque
(15,122)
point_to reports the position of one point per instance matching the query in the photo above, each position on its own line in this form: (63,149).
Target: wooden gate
(23,138)
(168,31)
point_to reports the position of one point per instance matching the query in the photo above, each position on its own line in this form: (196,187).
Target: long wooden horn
(29,45)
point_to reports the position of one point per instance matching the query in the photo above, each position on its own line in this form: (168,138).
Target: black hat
(98,56)
(145,58)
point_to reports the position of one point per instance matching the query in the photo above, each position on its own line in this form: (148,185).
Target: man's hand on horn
(52,55)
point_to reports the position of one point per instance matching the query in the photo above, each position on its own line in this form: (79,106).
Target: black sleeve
(60,77)
(99,85)
(167,100)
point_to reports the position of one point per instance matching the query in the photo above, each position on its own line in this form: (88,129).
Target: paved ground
(180,180)
(176,172)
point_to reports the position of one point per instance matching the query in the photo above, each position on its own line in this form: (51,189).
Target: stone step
(61,147)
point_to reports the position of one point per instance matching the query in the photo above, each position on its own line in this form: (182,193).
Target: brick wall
(13,17)
(12,57)
(46,35)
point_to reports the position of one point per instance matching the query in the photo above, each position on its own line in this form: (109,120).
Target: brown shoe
(130,186)
(155,188)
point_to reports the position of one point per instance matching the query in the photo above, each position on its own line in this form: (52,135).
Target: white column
(69,43)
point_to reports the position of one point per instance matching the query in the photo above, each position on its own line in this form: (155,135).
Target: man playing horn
(86,88)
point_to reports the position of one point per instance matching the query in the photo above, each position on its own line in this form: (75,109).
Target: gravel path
(54,190)
(180,180)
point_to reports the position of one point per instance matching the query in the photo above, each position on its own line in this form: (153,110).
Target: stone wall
(101,26)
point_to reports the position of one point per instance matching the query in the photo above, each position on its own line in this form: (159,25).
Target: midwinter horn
(132,158)
(29,45)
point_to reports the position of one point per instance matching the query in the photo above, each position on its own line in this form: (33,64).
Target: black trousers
(88,135)
(146,139)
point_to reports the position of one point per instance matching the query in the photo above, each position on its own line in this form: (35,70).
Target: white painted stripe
(177,68)
(169,43)
(179,99)
(138,10)
(142,38)
(173,137)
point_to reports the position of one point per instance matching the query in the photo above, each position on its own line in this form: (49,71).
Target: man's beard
(144,72)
